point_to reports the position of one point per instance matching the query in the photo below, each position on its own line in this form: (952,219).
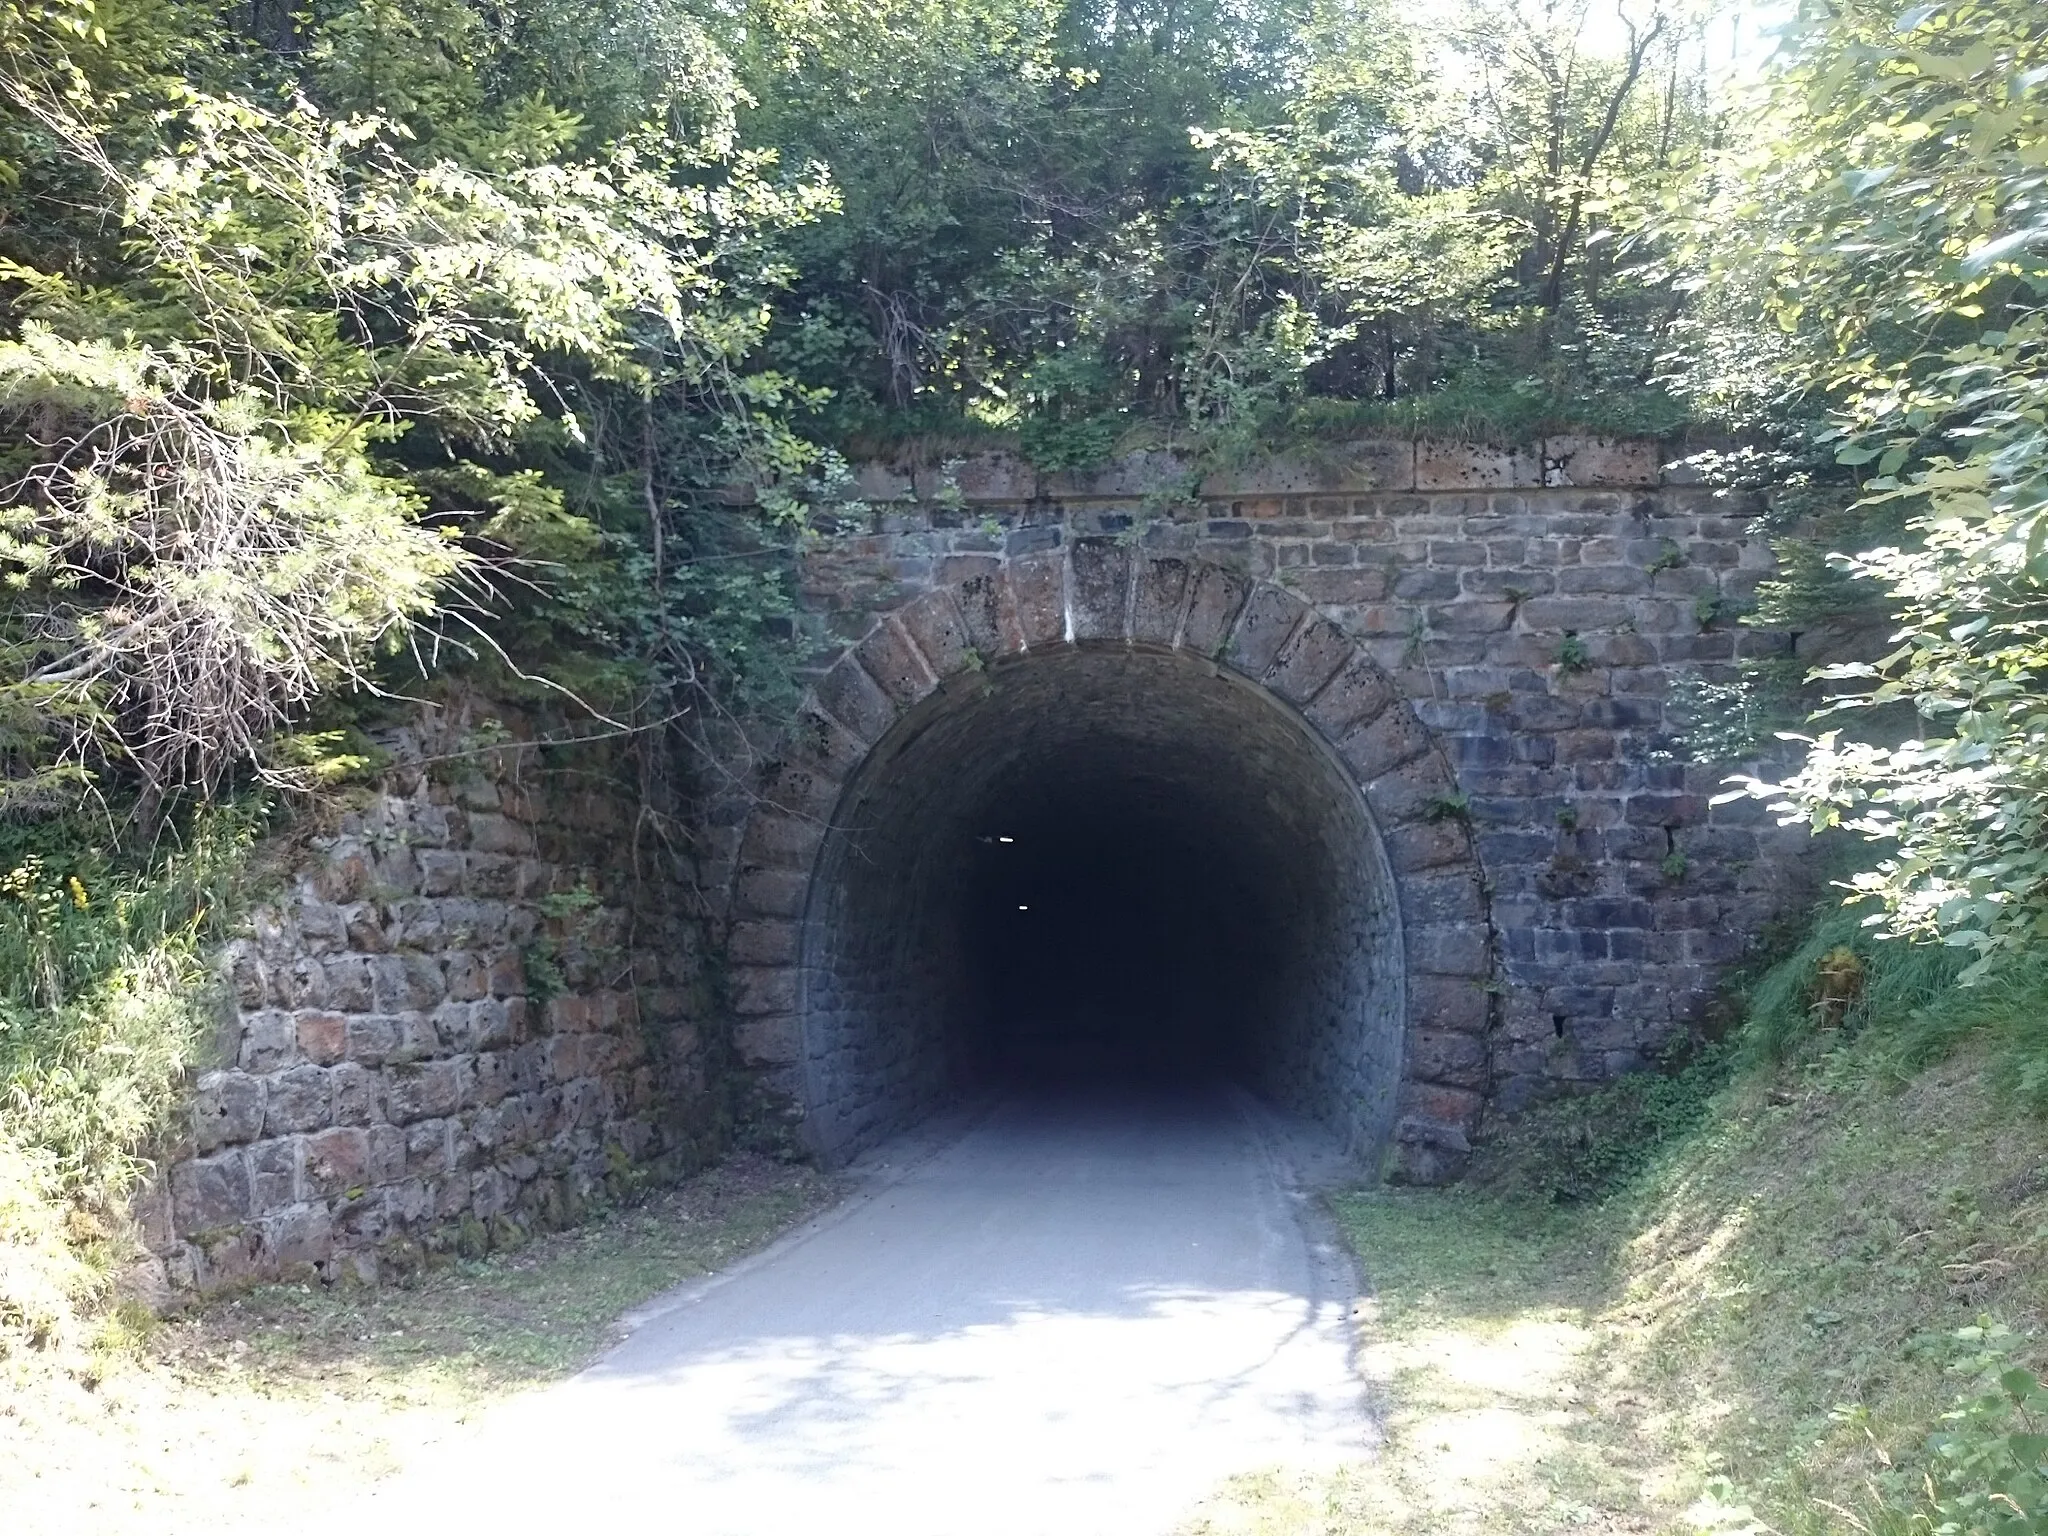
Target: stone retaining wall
(479,1001)
(1534,607)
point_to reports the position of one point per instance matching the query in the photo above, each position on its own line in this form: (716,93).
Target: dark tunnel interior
(1098,865)
(1109,940)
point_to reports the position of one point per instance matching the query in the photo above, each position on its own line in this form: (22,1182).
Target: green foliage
(439,357)
(1892,224)
(106,1000)
(1090,228)
(1572,655)
(1591,1146)
(1985,1471)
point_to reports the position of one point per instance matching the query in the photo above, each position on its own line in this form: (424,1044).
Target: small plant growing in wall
(1669,558)
(1452,807)
(1568,817)
(1572,655)
(1675,865)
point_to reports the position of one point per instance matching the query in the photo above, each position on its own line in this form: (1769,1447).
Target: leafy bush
(106,1001)
(1891,223)
(1984,1472)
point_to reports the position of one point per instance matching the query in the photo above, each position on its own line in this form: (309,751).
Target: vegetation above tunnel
(349,343)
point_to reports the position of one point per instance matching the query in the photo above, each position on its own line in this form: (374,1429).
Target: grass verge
(255,1408)
(1790,1310)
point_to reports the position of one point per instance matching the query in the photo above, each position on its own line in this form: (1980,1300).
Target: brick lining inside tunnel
(1191,883)
(1228,828)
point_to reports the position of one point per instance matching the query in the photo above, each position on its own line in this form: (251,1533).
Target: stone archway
(1220,711)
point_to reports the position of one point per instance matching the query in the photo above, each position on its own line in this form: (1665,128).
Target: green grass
(1771,1291)
(106,1000)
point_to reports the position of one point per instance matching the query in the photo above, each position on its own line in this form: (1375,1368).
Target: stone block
(1457,1004)
(1600,461)
(760,942)
(855,700)
(1151,472)
(209,1193)
(358,1094)
(1428,845)
(336,1161)
(771,893)
(894,662)
(1441,1056)
(1038,588)
(781,842)
(763,989)
(1311,658)
(1339,467)
(227,1109)
(425,1090)
(322,1035)
(273,1175)
(1387,741)
(1213,607)
(1162,591)
(988,613)
(373,1037)
(1448,949)
(270,1041)
(298,1100)
(936,628)
(490,832)
(1443,466)
(1357,694)
(1001,477)
(874,481)
(770,1040)
(1099,589)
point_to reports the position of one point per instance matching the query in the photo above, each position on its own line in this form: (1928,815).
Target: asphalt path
(1058,1316)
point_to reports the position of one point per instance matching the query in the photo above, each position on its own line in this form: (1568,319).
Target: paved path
(1067,1318)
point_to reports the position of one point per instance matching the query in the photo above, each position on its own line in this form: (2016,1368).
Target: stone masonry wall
(478,1002)
(1534,606)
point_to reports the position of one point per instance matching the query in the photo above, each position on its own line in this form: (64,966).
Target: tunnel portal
(1099,863)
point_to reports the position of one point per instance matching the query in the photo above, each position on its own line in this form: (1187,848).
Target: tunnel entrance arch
(1092,811)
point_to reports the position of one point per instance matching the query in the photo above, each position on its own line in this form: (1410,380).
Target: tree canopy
(346,342)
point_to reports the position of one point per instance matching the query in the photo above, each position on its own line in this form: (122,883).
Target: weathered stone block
(1600,461)
(322,1035)
(425,1090)
(1311,659)
(336,1161)
(1387,741)
(1162,590)
(855,700)
(893,661)
(1100,588)
(938,631)
(273,1175)
(1455,1059)
(770,1040)
(1213,607)
(763,990)
(1355,695)
(227,1108)
(298,1100)
(763,943)
(1038,589)
(1444,466)
(988,612)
